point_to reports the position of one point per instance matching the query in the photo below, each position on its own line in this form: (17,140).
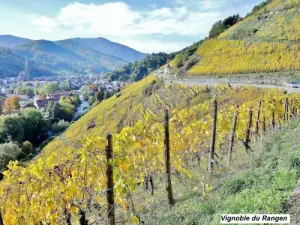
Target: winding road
(215,81)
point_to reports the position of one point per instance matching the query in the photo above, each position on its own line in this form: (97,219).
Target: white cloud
(119,20)
(183,20)
(45,23)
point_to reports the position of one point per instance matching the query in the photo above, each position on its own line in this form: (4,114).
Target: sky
(146,25)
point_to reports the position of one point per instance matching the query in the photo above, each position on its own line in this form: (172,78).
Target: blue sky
(146,25)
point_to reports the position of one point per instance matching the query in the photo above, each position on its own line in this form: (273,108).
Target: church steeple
(26,70)
(25,75)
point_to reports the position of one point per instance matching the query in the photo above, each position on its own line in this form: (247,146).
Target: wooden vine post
(110,181)
(258,118)
(83,220)
(292,108)
(167,160)
(286,109)
(296,109)
(213,135)
(264,125)
(273,116)
(248,130)
(151,184)
(232,137)
(1,219)
(67,216)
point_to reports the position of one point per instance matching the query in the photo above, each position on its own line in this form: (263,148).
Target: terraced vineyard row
(232,57)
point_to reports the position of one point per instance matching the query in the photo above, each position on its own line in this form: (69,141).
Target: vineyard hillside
(148,97)
(68,179)
(267,40)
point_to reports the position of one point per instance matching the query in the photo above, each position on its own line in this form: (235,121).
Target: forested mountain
(11,65)
(77,55)
(112,48)
(138,70)
(92,56)
(9,41)
(67,56)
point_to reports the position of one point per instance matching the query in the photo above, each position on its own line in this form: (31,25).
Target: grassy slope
(257,183)
(266,41)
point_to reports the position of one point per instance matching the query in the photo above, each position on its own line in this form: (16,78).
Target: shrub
(221,26)
(9,151)
(193,60)
(27,147)
(118,94)
(60,126)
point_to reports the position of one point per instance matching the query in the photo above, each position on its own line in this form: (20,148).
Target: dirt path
(215,81)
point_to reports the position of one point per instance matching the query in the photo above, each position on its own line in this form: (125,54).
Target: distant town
(37,92)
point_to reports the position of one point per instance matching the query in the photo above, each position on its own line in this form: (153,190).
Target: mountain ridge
(70,55)
(115,49)
(10,41)
(12,65)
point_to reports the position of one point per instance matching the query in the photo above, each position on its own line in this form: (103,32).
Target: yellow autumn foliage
(232,56)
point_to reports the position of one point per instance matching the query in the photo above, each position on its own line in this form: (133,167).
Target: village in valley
(25,91)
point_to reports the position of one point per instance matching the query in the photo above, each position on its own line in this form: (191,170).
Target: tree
(106,95)
(231,20)
(93,88)
(7,105)
(65,99)
(67,85)
(99,96)
(27,147)
(216,29)
(73,100)
(137,70)
(15,102)
(67,111)
(50,88)
(28,84)
(59,111)
(26,90)
(85,91)
(33,124)
(60,126)
(9,151)
(92,100)
(11,128)
(29,92)
(37,91)
(51,111)
(221,26)
(12,103)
